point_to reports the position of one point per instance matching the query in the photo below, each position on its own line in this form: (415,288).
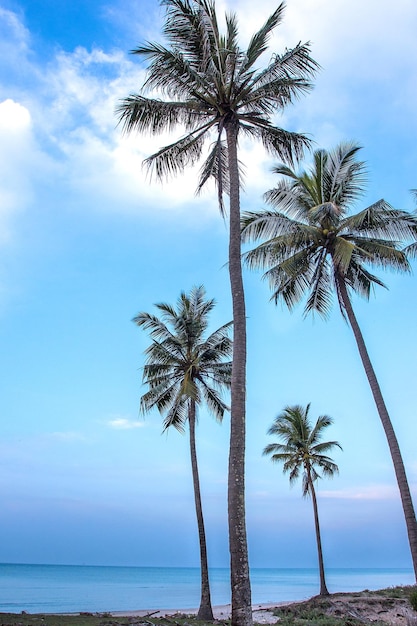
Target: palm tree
(312,246)
(302,450)
(183,369)
(214,90)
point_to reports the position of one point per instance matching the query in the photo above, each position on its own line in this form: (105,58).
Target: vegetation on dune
(351,609)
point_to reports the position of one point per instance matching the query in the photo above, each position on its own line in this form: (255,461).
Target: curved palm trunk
(205,612)
(239,562)
(407,503)
(323,588)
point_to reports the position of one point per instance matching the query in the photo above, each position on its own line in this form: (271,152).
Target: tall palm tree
(312,246)
(301,450)
(183,369)
(215,91)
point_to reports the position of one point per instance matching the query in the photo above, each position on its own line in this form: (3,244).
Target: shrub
(413,599)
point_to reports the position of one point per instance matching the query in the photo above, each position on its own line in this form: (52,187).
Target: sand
(262,613)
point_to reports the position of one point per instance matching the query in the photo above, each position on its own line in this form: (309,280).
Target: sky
(87,241)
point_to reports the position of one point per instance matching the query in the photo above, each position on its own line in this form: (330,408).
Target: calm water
(71,588)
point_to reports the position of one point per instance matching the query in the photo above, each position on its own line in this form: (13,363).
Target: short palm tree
(214,90)
(313,247)
(185,368)
(301,450)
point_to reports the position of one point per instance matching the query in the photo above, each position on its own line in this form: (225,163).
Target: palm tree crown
(313,246)
(300,449)
(209,83)
(182,364)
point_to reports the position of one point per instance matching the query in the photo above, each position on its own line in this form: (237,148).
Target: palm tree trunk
(407,503)
(205,612)
(239,562)
(323,588)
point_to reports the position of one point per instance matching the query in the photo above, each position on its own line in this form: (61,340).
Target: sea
(76,588)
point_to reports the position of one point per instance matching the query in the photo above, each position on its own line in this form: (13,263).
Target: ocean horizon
(78,588)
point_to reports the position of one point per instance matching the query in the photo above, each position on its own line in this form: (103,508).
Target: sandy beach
(262,613)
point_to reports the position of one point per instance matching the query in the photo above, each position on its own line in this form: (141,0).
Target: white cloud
(13,117)
(97,160)
(16,150)
(123,423)
(339,30)
(103,168)
(25,165)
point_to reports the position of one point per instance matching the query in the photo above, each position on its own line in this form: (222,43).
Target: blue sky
(87,241)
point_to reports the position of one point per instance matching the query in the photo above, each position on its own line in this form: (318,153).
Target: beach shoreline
(263,612)
(392,607)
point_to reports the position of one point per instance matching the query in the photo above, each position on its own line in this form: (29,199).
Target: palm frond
(153,116)
(320,298)
(273,97)
(287,145)
(323,447)
(411,250)
(380,253)
(176,157)
(259,41)
(381,220)
(315,433)
(342,253)
(158,329)
(191,27)
(360,280)
(272,225)
(231,43)
(170,72)
(213,400)
(288,284)
(219,339)
(294,199)
(346,176)
(216,167)
(177,415)
(293,68)
(160,397)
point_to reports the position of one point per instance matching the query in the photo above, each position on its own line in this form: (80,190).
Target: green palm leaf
(259,41)
(311,215)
